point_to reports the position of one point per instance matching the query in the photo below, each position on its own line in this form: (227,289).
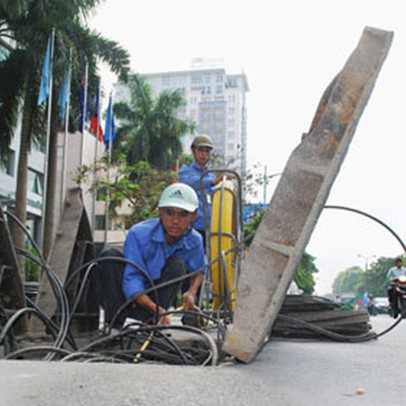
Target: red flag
(94,122)
(93,126)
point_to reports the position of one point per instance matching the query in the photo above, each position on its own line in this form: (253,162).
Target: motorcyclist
(393,273)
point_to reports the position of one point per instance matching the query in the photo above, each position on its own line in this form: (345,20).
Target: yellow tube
(222,238)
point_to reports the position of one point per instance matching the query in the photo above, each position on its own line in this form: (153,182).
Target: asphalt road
(287,372)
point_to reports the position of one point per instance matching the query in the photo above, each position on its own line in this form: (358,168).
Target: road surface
(287,372)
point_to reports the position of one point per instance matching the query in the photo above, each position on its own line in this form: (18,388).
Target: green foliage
(150,130)
(250,227)
(349,281)
(29,23)
(32,269)
(304,274)
(304,277)
(375,277)
(355,280)
(139,186)
(186,159)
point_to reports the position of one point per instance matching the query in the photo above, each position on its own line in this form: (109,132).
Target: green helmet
(202,140)
(181,196)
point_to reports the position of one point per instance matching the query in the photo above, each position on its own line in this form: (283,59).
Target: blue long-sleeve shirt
(146,246)
(190,174)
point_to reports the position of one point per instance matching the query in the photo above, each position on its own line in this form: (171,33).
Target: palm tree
(150,129)
(30,30)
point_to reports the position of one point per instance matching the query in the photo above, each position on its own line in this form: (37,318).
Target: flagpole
(108,169)
(48,136)
(65,138)
(95,159)
(82,146)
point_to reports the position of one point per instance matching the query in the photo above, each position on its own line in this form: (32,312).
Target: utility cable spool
(223,236)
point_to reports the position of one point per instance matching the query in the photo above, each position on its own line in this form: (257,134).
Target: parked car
(381,304)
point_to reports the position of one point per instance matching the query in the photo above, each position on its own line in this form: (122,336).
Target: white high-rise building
(215,101)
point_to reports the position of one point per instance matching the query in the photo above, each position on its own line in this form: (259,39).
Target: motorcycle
(399,290)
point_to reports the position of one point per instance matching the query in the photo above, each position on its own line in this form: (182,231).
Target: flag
(64,94)
(94,123)
(110,126)
(82,100)
(45,75)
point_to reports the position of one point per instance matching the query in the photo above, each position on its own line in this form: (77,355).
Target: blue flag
(64,95)
(110,126)
(46,72)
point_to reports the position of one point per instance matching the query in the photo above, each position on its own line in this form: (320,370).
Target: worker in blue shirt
(202,147)
(165,248)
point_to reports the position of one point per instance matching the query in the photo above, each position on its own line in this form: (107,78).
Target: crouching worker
(165,248)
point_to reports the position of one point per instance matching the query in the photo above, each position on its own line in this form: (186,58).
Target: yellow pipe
(222,238)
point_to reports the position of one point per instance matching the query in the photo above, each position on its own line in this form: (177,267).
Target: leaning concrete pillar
(301,193)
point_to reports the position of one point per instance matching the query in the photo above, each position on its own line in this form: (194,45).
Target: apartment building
(215,101)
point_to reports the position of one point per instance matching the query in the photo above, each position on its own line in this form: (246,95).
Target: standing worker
(202,147)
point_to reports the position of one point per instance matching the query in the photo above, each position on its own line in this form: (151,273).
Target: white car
(381,304)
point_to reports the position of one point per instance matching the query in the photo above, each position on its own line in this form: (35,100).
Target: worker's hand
(220,178)
(164,320)
(188,300)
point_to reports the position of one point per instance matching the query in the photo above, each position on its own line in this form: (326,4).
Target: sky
(290,51)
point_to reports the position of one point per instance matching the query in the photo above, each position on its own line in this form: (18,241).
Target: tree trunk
(21,190)
(51,215)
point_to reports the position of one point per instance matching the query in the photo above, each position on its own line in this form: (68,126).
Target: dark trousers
(392,298)
(111,276)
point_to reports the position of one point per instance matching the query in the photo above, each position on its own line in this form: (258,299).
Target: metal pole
(65,138)
(108,170)
(84,115)
(95,160)
(48,135)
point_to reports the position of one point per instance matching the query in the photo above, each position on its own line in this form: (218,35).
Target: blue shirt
(190,174)
(146,246)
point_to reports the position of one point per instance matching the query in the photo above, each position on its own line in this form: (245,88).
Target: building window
(231,123)
(35,182)
(219,89)
(231,110)
(219,77)
(8,166)
(232,82)
(166,80)
(196,79)
(100,222)
(231,99)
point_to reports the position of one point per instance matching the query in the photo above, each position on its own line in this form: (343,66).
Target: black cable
(61,298)
(40,348)
(336,336)
(363,213)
